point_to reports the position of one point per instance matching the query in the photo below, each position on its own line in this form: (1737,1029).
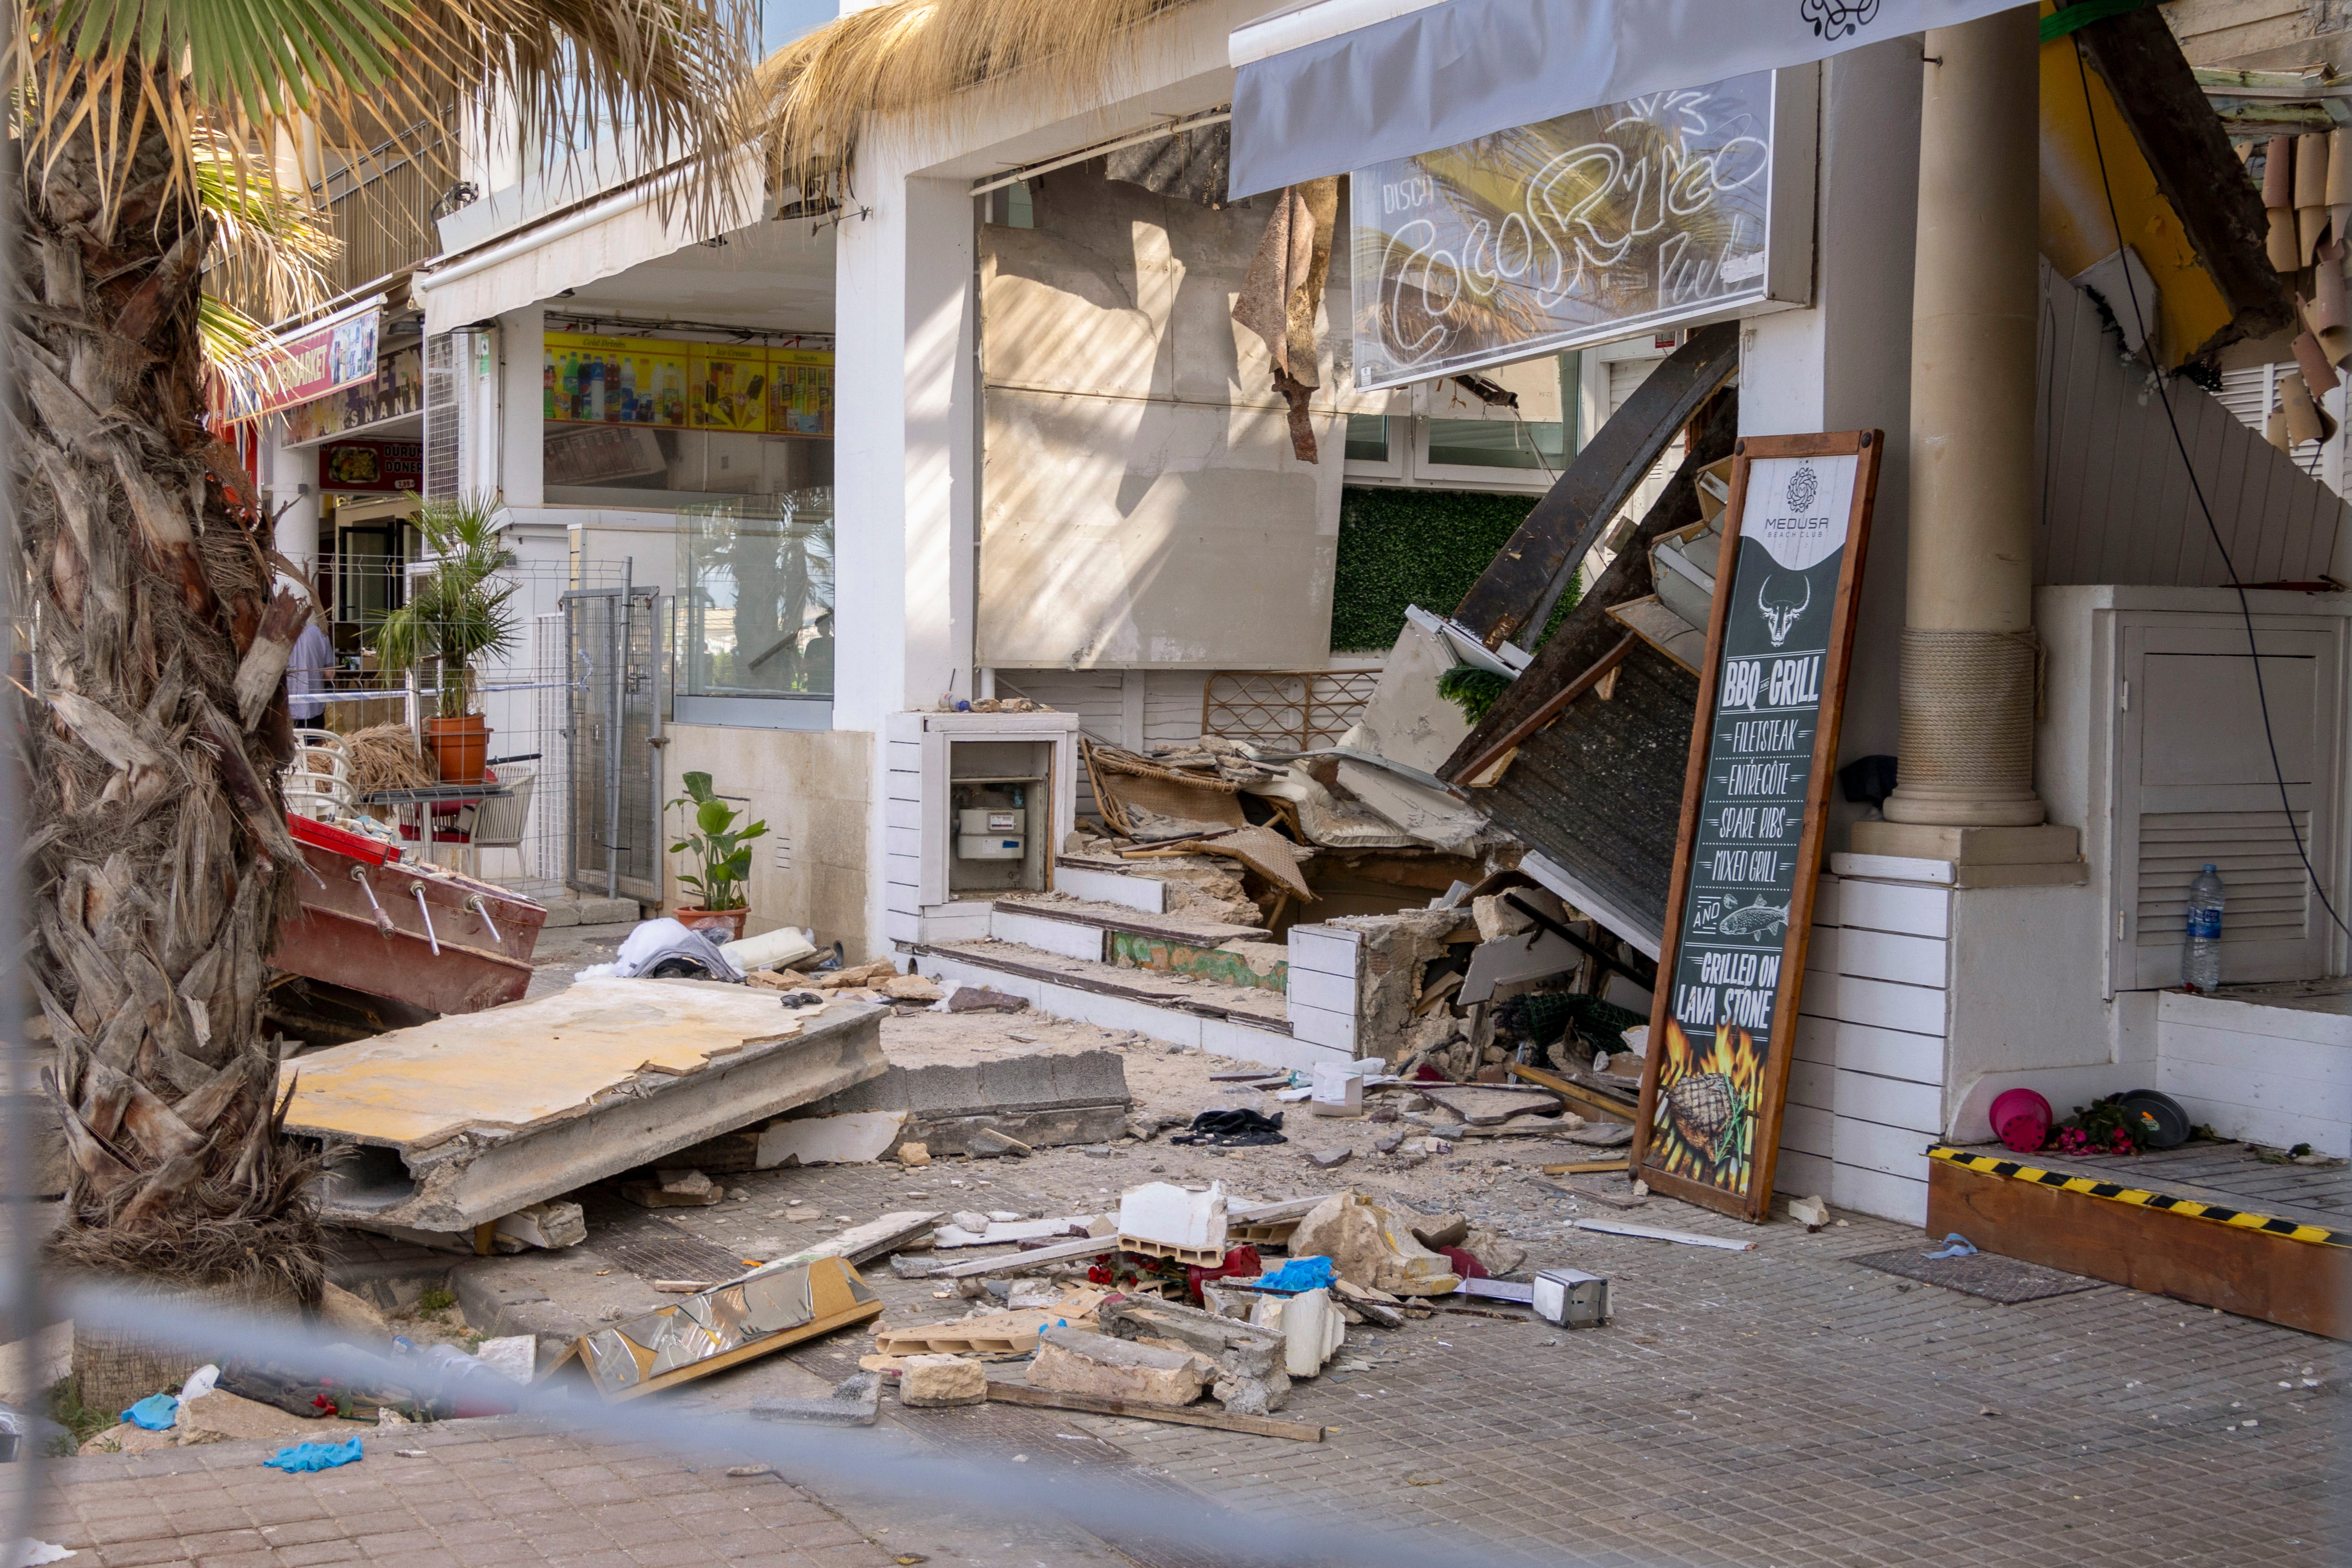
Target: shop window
(1368,438)
(1497,444)
(754,627)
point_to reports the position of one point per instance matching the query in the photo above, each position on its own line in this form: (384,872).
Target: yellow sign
(799,391)
(615,381)
(730,386)
(657,384)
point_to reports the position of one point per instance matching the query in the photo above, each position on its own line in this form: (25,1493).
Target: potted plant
(724,852)
(458,613)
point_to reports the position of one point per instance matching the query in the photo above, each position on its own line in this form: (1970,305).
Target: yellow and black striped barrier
(2115,1192)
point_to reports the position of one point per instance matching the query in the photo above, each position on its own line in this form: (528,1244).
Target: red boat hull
(382,947)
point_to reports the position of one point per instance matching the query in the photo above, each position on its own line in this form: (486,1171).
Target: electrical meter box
(978,803)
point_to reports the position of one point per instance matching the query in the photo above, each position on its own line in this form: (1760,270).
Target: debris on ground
(304,1457)
(1078,1360)
(855,1402)
(673,1189)
(935,1381)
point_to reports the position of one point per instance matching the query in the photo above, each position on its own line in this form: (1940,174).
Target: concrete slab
(460,1122)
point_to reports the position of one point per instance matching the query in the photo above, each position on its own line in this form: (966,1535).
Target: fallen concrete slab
(458,1122)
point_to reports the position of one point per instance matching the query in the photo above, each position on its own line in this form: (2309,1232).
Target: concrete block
(931,1381)
(856,1403)
(498,1303)
(1077,1362)
(1312,1329)
(555,1223)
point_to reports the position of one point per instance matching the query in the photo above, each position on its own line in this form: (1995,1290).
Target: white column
(1968,643)
(521,467)
(904,397)
(294,487)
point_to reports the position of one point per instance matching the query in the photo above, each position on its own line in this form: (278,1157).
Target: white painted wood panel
(1915,1009)
(1875,1192)
(907,841)
(2116,503)
(903,812)
(1903,908)
(902,925)
(1815,1040)
(1885,955)
(903,756)
(1829,901)
(904,870)
(1889,1052)
(1321,1025)
(1811,1128)
(1897,1150)
(1891,1101)
(1323,950)
(1822,950)
(1800,1173)
(1813,1084)
(2327,1066)
(2253,1017)
(1334,993)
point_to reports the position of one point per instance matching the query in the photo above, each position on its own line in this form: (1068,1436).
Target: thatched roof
(912,60)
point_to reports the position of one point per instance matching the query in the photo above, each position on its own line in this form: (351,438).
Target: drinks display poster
(1763,754)
(1582,229)
(655,383)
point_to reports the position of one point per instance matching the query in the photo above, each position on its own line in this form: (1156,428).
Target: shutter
(444,417)
(2252,392)
(1625,377)
(2196,784)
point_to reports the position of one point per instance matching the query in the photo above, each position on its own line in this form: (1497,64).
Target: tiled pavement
(1780,1406)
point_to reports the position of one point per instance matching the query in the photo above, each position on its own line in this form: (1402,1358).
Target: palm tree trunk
(158,864)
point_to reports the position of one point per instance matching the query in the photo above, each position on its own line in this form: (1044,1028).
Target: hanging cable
(2164,395)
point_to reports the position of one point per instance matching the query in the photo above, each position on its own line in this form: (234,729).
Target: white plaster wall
(522,463)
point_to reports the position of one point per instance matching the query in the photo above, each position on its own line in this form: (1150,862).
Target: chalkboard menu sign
(1763,754)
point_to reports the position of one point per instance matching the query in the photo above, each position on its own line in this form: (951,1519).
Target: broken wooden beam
(1583,1098)
(860,1244)
(1514,596)
(1008,1393)
(1585,1167)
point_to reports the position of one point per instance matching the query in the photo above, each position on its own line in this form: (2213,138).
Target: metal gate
(613,740)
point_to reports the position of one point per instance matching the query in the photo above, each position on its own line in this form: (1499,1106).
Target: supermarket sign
(321,360)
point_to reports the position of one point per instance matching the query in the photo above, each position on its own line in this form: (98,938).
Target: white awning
(593,240)
(1336,85)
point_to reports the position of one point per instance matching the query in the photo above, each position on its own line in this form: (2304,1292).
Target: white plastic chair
(318,782)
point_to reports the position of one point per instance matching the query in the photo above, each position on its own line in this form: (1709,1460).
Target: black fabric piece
(1233,1130)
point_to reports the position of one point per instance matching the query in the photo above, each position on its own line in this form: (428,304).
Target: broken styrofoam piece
(1658,1233)
(1336,1091)
(551,1225)
(855,1137)
(1003,1232)
(513,1357)
(674,1189)
(770,949)
(1810,1213)
(857,1402)
(1075,1360)
(1311,1328)
(1164,1213)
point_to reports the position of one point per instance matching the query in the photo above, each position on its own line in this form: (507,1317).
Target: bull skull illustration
(1781,607)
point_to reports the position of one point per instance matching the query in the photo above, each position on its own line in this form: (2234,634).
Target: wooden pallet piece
(1210,1416)
(1206,1257)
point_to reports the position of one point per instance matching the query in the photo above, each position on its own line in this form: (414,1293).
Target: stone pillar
(1967,685)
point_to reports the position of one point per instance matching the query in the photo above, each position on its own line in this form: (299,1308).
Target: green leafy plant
(1472,690)
(80,1422)
(458,612)
(723,849)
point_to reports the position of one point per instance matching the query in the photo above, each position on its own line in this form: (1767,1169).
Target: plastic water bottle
(2201,955)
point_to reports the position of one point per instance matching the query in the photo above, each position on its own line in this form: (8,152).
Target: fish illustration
(1759,919)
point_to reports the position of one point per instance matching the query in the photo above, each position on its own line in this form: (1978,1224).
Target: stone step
(1099,932)
(1241,1022)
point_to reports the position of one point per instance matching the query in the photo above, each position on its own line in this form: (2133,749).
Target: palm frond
(271,244)
(906,62)
(232,77)
(243,367)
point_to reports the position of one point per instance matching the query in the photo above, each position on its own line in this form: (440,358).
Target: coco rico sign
(1586,228)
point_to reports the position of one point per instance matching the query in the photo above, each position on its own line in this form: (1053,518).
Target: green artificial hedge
(1403,547)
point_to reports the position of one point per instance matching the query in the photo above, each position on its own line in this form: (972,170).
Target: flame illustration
(1706,1132)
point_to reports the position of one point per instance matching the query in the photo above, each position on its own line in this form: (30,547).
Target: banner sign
(659,384)
(379,467)
(395,392)
(322,360)
(1652,212)
(1763,755)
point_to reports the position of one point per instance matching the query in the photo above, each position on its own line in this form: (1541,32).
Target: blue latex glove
(1955,1246)
(1298,1273)
(314,1457)
(157,1412)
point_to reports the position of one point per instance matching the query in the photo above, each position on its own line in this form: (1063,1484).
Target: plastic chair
(318,782)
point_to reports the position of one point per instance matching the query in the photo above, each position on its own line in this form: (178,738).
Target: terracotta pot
(724,925)
(461,745)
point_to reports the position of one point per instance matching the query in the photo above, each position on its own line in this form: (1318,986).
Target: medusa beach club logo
(1838,18)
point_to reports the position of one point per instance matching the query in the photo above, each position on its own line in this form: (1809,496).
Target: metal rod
(1171,128)
(383,920)
(481,908)
(425,910)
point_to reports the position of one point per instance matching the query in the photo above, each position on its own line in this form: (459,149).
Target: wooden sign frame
(1763,1109)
